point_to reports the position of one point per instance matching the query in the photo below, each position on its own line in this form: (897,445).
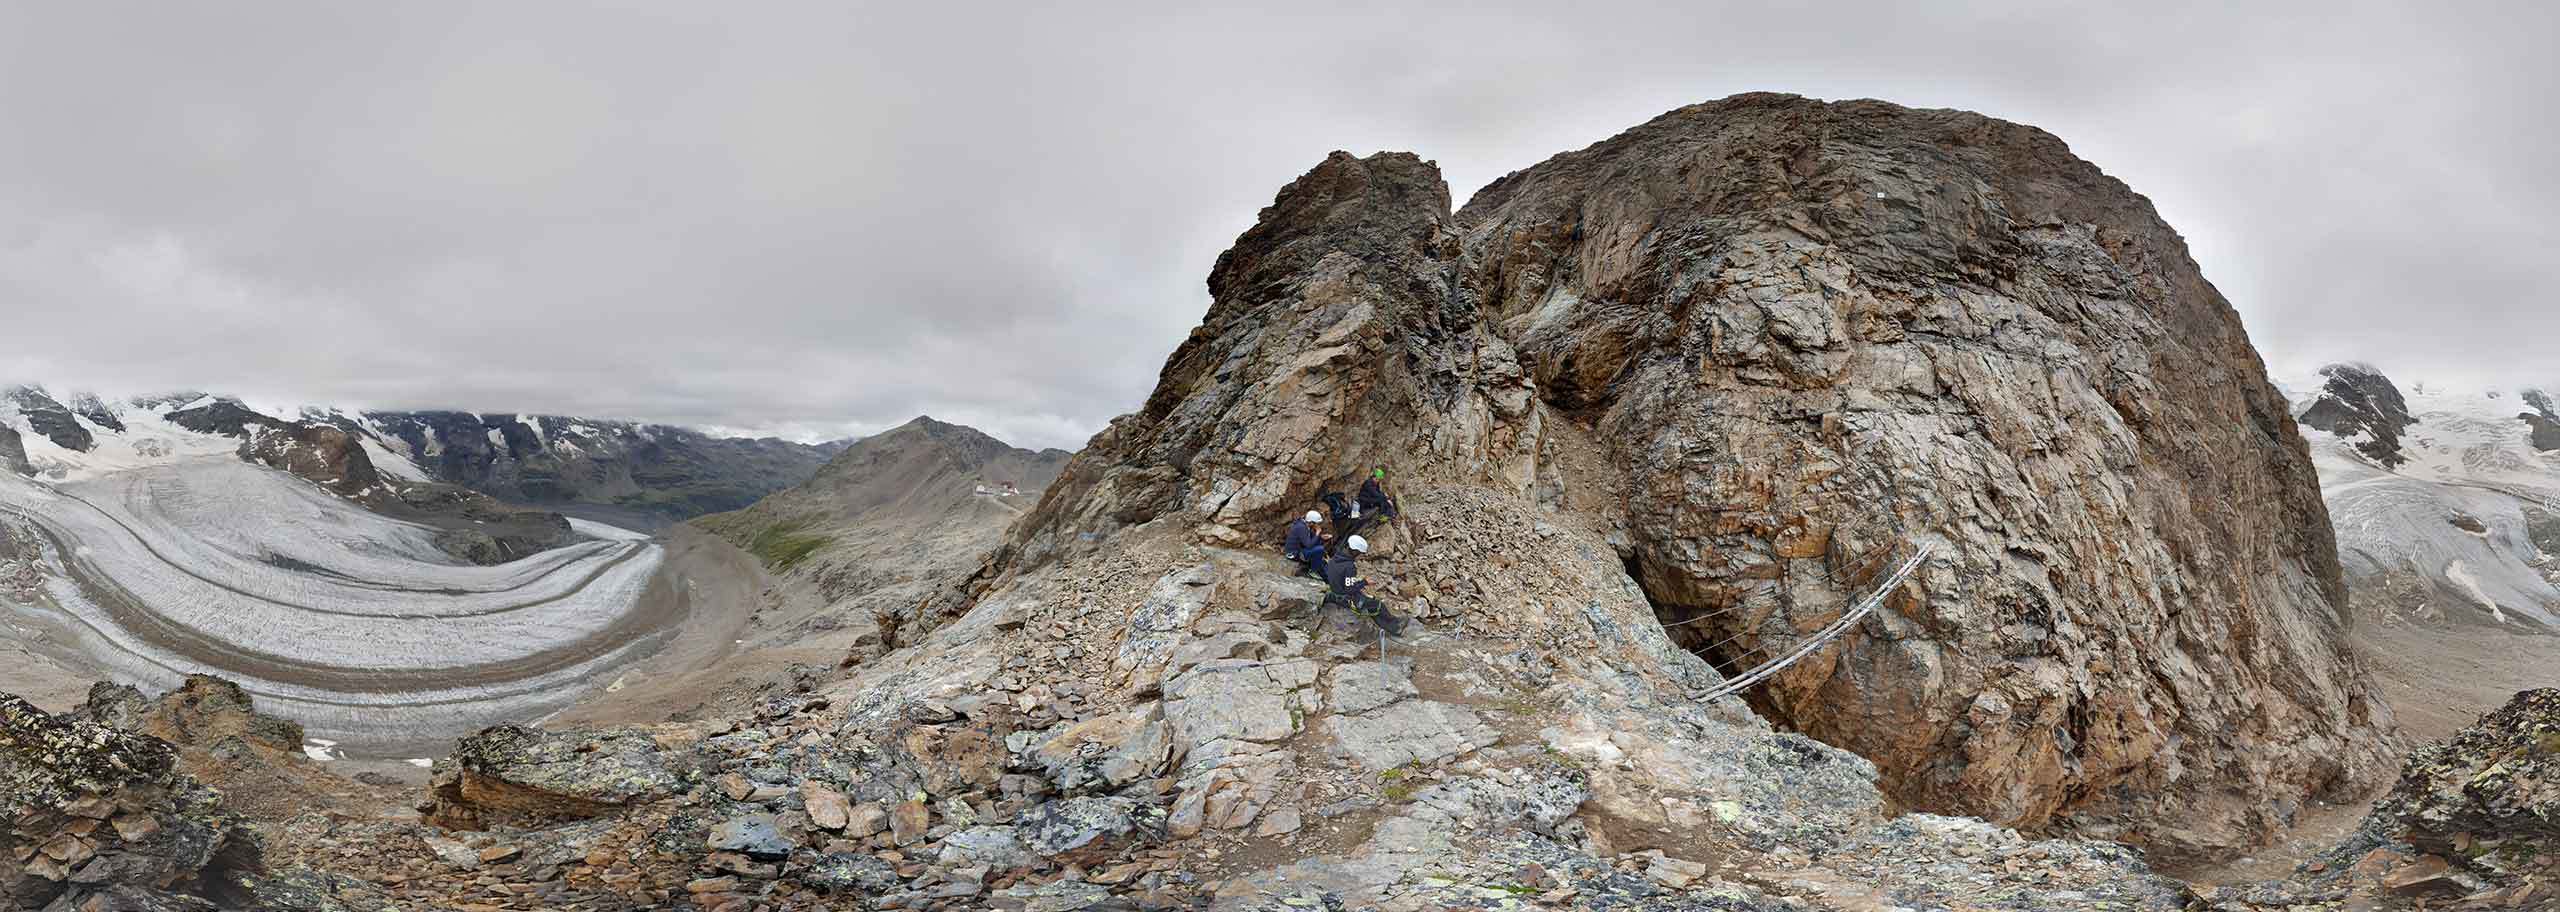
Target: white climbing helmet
(1314,517)
(1358,545)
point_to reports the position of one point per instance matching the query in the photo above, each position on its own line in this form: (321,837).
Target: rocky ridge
(672,473)
(102,817)
(1757,343)
(884,525)
(2470,825)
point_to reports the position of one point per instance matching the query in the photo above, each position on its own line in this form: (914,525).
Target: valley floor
(2437,680)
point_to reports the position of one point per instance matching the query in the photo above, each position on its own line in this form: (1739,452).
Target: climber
(1344,585)
(1373,496)
(1306,543)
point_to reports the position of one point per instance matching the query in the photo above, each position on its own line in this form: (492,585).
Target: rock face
(2359,402)
(49,419)
(1763,340)
(325,456)
(2544,419)
(13,453)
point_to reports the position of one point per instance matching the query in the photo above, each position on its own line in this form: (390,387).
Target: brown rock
(908,821)
(865,820)
(2027,366)
(828,808)
(712,885)
(2429,875)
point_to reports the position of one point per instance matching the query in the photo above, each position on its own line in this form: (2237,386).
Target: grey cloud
(824,218)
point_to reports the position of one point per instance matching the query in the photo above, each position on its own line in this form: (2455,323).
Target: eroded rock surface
(1763,343)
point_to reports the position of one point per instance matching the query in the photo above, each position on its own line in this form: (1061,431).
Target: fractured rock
(1409,732)
(511,773)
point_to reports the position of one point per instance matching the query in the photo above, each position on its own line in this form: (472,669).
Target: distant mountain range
(637,470)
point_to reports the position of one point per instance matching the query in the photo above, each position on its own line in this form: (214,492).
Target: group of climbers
(1335,559)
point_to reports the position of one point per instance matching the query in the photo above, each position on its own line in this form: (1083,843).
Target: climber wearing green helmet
(1373,496)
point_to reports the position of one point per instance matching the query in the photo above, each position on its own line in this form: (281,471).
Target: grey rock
(1236,699)
(756,836)
(2361,404)
(1062,896)
(1409,732)
(1068,824)
(843,872)
(995,847)
(1359,687)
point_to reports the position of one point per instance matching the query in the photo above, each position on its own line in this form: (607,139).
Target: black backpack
(1340,505)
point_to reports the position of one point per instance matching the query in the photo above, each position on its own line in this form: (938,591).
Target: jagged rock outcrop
(49,419)
(13,453)
(107,806)
(325,456)
(519,776)
(1763,339)
(2545,420)
(205,711)
(2473,824)
(2359,402)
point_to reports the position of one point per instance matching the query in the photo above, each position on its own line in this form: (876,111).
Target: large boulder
(513,775)
(1765,342)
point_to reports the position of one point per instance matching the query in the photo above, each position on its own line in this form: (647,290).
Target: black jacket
(1342,576)
(1372,497)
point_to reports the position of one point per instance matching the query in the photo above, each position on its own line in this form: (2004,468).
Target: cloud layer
(825,218)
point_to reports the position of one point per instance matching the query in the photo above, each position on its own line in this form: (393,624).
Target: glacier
(181,560)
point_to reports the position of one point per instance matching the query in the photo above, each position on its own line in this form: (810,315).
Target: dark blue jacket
(1302,538)
(1339,574)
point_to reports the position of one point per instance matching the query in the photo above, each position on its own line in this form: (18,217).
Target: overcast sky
(824,218)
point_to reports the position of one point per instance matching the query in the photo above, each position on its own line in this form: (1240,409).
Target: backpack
(1341,506)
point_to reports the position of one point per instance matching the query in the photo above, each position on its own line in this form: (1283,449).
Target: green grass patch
(783,546)
(1397,785)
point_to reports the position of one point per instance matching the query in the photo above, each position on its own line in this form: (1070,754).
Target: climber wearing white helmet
(1306,543)
(1344,584)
